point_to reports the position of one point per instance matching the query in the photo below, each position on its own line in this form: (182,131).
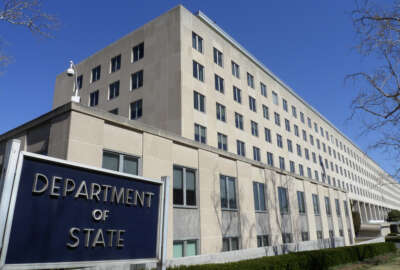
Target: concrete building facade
(252,163)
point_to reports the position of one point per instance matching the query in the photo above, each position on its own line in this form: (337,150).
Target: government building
(251,163)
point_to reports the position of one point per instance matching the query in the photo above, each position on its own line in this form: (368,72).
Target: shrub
(394,215)
(356,221)
(314,260)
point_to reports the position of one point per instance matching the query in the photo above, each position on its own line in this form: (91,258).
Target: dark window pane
(178,186)
(110,161)
(130,165)
(190,188)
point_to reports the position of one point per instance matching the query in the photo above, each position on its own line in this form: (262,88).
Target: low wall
(252,253)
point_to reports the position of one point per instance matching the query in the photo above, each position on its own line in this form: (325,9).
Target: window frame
(229,207)
(184,185)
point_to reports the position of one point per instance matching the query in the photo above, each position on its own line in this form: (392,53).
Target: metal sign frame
(8,213)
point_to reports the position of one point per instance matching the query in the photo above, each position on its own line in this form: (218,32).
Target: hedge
(316,260)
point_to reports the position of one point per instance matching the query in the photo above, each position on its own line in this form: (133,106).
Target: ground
(384,262)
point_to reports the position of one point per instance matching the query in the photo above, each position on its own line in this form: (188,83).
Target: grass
(390,261)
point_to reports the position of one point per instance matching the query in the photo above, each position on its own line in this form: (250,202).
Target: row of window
(115,65)
(114,87)
(198,72)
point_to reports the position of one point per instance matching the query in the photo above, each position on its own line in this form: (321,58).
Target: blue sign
(68,213)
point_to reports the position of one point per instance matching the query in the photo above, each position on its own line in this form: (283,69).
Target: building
(252,163)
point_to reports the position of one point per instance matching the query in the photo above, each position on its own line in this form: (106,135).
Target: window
(219,84)
(287,238)
(292,166)
(318,144)
(284,105)
(96,73)
(138,52)
(237,94)
(277,119)
(199,133)
(289,146)
(302,117)
(221,112)
(270,159)
(199,101)
(197,42)
(301,170)
(136,109)
(315,204)
(115,63)
(263,240)
(298,150)
(218,57)
(337,207)
(198,71)
(309,174)
(296,130)
(267,132)
(254,128)
(265,112)
(281,163)
(250,80)
(230,243)
(319,235)
(263,88)
(240,148)
(114,111)
(120,162)
(274,97)
(259,196)
(113,90)
(228,192)
(283,200)
(316,175)
(79,81)
(137,80)
(185,248)
(184,186)
(222,142)
(239,121)
(331,234)
(279,141)
(301,202)
(306,153)
(294,112)
(287,125)
(256,153)
(252,104)
(311,139)
(94,98)
(235,70)
(328,206)
(304,135)
(305,236)
(315,127)
(309,122)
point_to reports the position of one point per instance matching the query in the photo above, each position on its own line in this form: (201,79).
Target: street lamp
(72,71)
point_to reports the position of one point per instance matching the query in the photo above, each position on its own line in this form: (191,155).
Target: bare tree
(378,99)
(28,14)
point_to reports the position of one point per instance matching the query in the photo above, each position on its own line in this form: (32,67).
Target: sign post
(64,214)
(6,182)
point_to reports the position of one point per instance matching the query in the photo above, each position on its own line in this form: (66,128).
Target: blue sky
(308,44)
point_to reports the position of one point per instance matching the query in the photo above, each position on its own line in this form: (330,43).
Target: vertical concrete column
(375,213)
(210,202)
(368,208)
(364,212)
(310,210)
(247,215)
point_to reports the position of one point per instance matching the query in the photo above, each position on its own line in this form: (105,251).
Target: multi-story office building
(252,163)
